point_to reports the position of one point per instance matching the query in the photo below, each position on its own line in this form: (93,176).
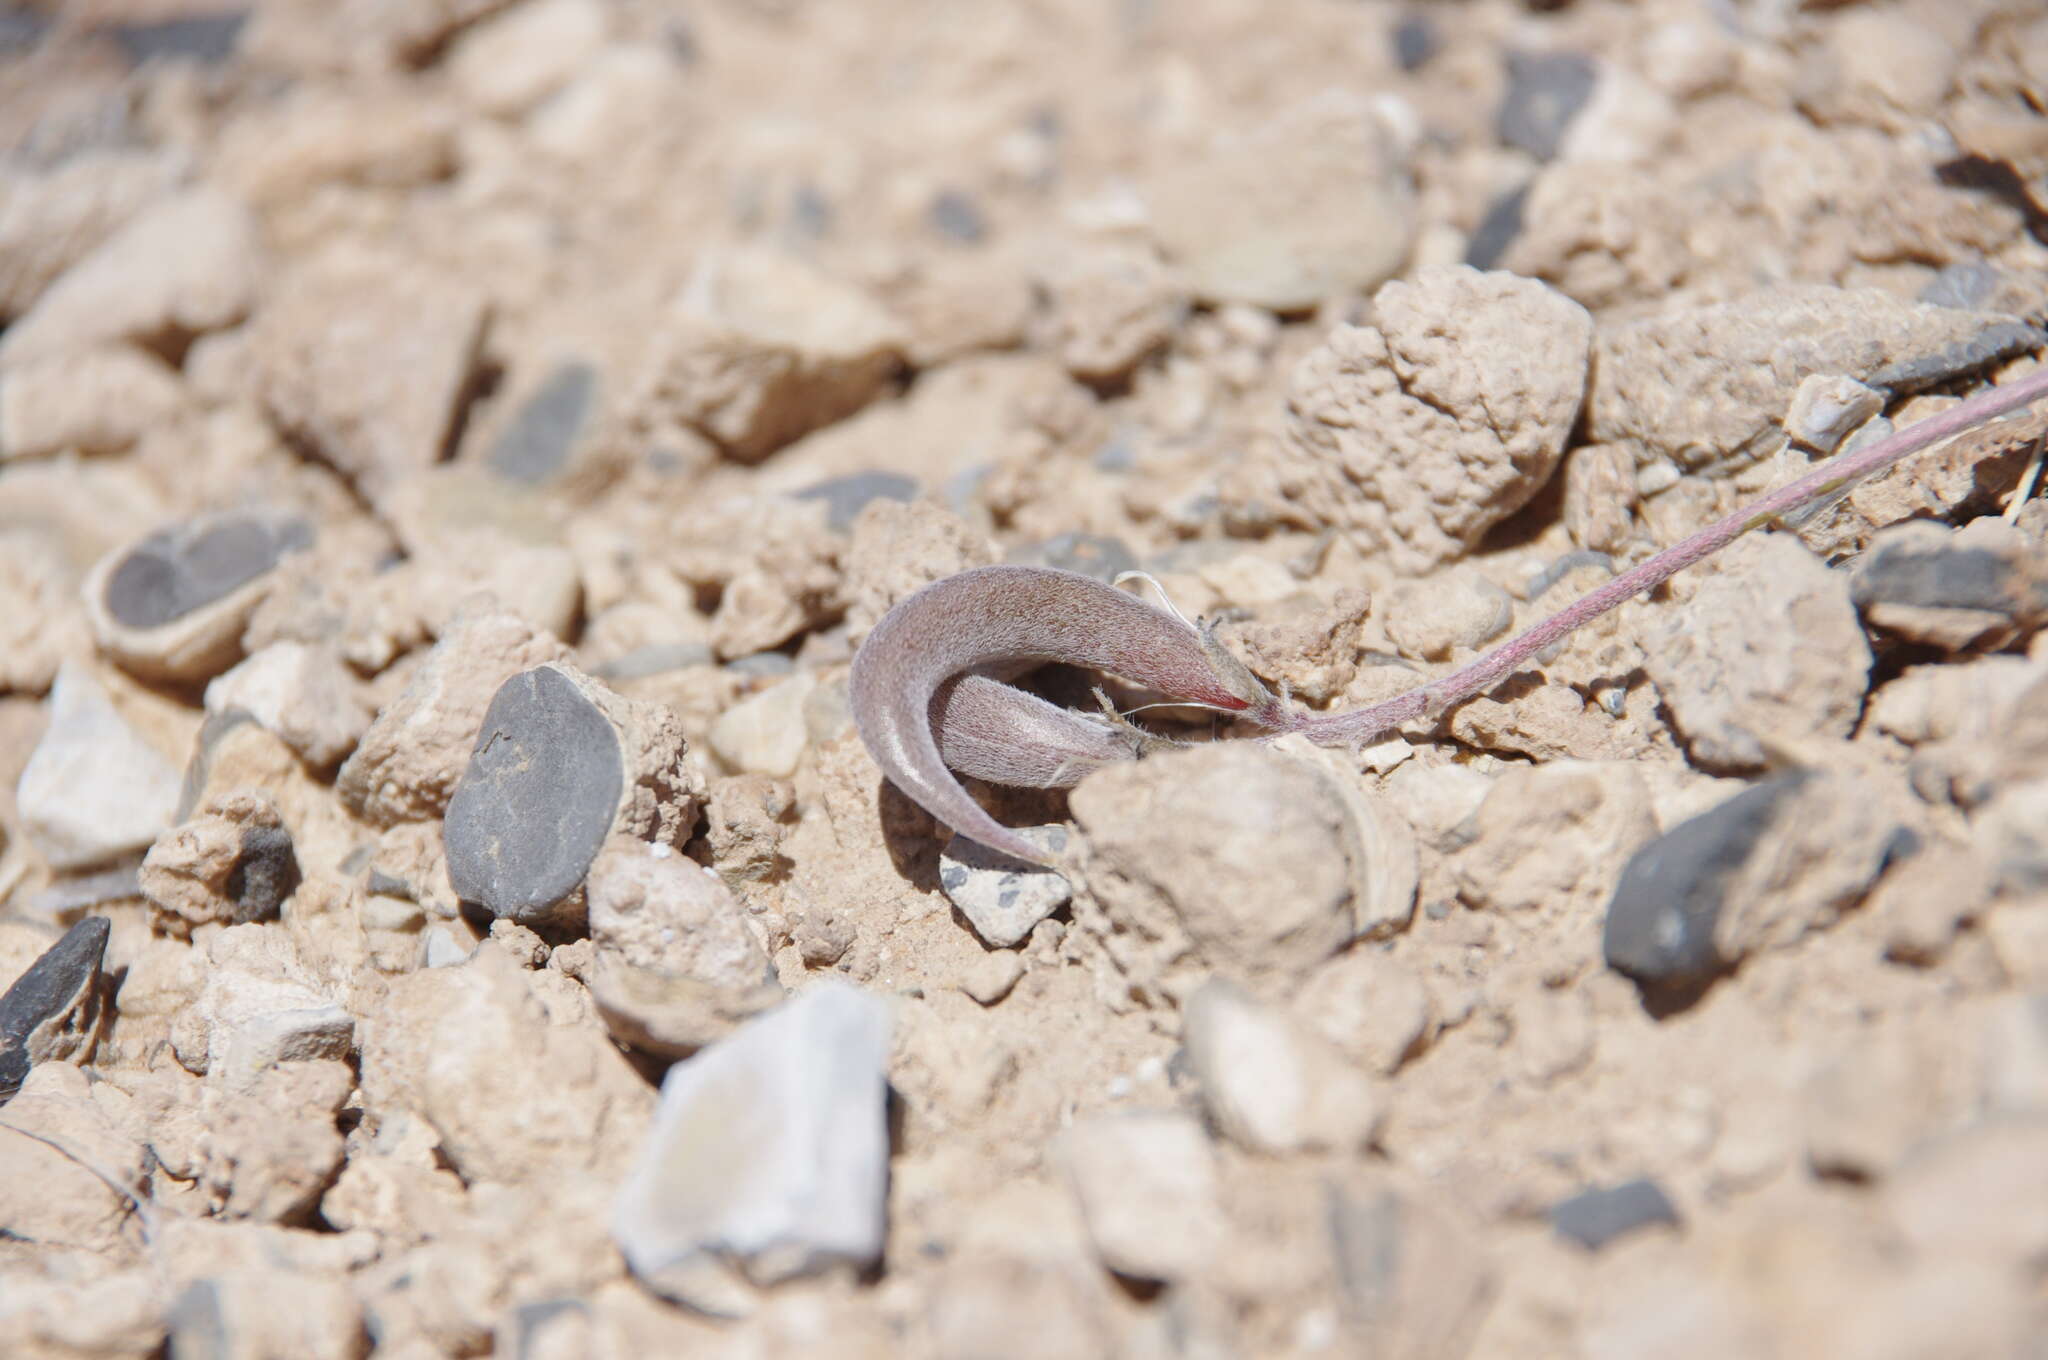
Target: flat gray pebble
(178,570)
(537,800)
(1593,1218)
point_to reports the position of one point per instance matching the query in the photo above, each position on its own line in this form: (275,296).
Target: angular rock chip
(1767,652)
(769,1152)
(52,1012)
(365,358)
(544,431)
(1270,1086)
(1593,1218)
(93,790)
(1414,1281)
(1971,587)
(1001,897)
(537,800)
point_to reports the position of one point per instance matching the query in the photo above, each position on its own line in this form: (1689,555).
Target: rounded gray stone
(1661,919)
(537,800)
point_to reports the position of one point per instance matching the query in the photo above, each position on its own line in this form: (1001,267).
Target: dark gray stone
(845,497)
(20,28)
(175,571)
(1416,40)
(1497,230)
(1546,91)
(537,799)
(208,39)
(538,442)
(1945,578)
(1095,555)
(1967,285)
(53,1006)
(1660,922)
(1997,341)
(958,217)
(1593,1218)
(266,872)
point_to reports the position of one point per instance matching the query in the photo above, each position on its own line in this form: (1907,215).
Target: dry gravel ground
(450,449)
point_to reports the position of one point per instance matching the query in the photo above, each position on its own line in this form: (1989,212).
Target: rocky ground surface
(449,450)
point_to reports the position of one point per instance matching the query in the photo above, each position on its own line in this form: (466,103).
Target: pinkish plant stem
(1357,726)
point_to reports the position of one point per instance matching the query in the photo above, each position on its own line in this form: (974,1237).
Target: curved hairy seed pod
(1830,478)
(997,732)
(992,616)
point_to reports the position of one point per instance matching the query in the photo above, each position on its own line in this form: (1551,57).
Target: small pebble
(1593,1218)
(1546,91)
(1001,897)
(1660,922)
(542,435)
(991,977)
(537,800)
